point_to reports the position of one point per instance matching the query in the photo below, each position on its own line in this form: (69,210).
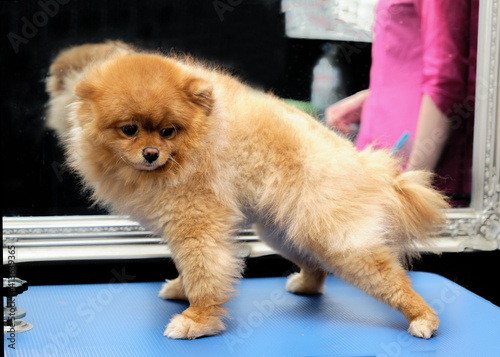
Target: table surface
(128,319)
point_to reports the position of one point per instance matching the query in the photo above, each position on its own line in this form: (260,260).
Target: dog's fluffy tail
(418,210)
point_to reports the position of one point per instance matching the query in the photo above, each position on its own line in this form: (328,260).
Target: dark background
(248,39)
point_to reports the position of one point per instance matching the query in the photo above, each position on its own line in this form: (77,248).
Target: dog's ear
(84,90)
(82,109)
(199,91)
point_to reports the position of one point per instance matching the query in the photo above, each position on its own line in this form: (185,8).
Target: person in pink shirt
(422,83)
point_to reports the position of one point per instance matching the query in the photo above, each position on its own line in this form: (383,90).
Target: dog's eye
(129,130)
(167,132)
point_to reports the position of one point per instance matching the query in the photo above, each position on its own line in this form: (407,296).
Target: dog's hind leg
(307,282)
(173,290)
(311,278)
(377,271)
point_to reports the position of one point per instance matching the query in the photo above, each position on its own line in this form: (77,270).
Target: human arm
(432,133)
(445,36)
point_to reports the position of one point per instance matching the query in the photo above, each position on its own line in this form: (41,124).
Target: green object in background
(304,106)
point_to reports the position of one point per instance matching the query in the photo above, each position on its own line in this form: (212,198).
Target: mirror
(42,201)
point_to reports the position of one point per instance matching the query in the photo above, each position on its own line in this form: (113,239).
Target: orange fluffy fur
(229,153)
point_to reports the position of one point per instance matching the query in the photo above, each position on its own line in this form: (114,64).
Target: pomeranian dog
(191,152)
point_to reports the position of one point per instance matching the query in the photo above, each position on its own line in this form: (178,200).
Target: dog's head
(144,111)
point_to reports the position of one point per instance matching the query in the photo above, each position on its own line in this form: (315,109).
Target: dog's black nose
(150,154)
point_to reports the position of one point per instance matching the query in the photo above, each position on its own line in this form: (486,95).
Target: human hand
(346,112)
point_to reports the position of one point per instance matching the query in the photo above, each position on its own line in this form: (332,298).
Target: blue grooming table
(128,319)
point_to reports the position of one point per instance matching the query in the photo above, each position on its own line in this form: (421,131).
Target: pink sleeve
(445,37)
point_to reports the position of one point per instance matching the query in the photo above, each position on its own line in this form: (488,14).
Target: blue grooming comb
(401,141)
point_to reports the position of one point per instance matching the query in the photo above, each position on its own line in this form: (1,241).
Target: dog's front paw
(183,327)
(424,326)
(298,283)
(173,290)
